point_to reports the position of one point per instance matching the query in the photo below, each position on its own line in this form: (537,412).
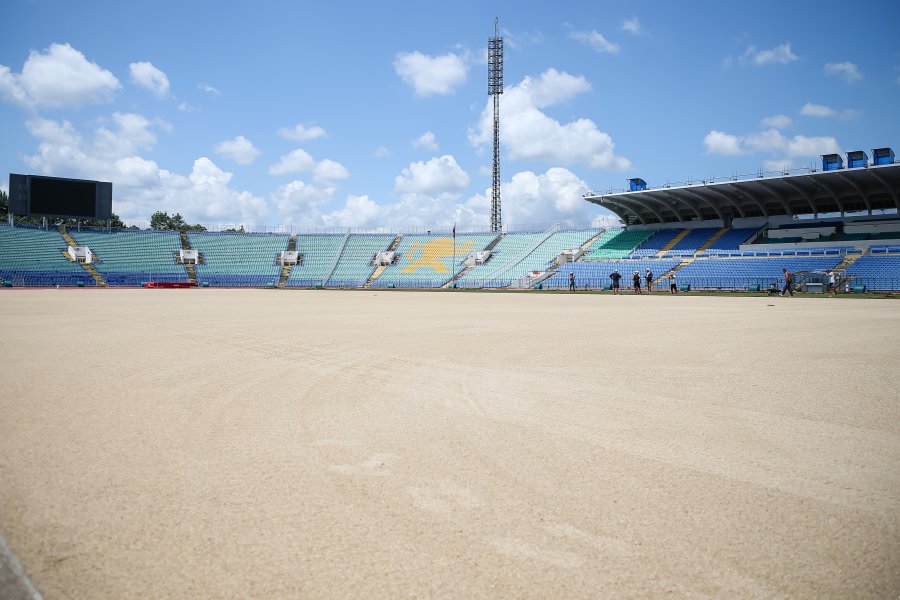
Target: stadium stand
(131,258)
(876,272)
(740,273)
(354,266)
(692,242)
(618,243)
(518,254)
(35,257)
(595,274)
(656,242)
(238,259)
(731,240)
(427,260)
(318,255)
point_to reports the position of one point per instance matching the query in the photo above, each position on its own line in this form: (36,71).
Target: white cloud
(847,71)
(381,152)
(777,121)
(554,196)
(817,110)
(784,164)
(632,25)
(330,172)
(779,55)
(430,75)
(440,176)
(141,187)
(719,142)
(427,141)
(59,77)
(820,110)
(530,134)
(294,161)
(185,107)
(771,141)
(595,40)
(301,133)
(145,75)
(209,89)
(240,150)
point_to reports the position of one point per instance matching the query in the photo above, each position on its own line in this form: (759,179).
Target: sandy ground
(323,444)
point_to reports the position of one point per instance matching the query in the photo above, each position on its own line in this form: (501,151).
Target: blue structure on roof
(882,156)
(637,184)
(832,162)
(857,159)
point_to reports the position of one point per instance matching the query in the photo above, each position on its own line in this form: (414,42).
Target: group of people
(616,278)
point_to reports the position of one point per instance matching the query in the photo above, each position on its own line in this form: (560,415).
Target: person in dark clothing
(649,277)
(572,281)
(615,276)
(637,282)
(788,283)
(673,285)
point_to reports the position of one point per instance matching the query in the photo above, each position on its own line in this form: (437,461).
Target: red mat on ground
(169,284)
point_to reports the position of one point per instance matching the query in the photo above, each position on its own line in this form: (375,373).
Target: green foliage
(162,220)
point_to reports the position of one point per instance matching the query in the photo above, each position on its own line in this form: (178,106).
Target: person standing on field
(615,276)
(637,282)
(649,277)
(788,283)
(673,286)
(572,281)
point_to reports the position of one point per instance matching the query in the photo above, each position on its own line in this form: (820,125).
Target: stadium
(286,413)
(712,235)
(226,441)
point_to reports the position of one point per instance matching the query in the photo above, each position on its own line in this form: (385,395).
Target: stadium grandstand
(729,234)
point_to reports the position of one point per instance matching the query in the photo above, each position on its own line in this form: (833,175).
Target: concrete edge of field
(14,582)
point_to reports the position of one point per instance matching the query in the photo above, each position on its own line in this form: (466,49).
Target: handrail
(525,254)
(337,259)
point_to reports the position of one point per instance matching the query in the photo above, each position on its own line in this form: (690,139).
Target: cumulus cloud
(431,75)
(145,75)
(847,71)
(111,152)
(427,141)
(441,176)
(295,161)
(777,121)
(779,55)
(60,76)
(301,133)
(770,141)
(328,171)
(240,150)
(632,25)
(554,196)
(530,134)
(719,142)
(595,40)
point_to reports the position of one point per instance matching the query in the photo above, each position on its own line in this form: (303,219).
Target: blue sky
(376,114)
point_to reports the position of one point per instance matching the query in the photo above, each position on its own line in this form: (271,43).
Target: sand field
(386,444)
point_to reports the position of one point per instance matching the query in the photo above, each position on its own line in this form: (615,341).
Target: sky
(362,114)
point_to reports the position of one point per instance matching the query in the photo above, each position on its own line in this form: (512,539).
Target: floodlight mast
(495,88)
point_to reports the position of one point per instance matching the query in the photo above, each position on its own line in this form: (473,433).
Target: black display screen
(63,197)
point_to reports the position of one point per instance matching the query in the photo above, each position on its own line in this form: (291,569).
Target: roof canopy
(844,190)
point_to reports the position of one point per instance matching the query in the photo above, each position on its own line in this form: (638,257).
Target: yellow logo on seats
(432,254)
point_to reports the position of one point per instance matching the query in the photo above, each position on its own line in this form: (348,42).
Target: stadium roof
(816,192)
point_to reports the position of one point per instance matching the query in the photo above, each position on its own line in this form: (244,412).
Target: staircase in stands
(712,240)
(674,241)
(286,269)
(678,267)
(468,268)
(98,278)
(191,271)
(380,268)
(588,243)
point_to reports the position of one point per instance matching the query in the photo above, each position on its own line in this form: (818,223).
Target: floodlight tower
(495,88)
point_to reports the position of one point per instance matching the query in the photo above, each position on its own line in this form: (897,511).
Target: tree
(4,204)
(162,220)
